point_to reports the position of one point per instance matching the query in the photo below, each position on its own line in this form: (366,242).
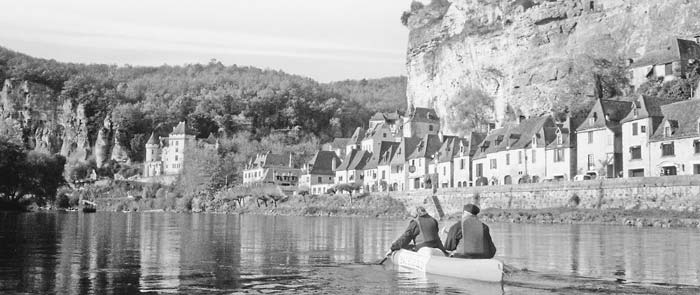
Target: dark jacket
(423,231)
(470,238)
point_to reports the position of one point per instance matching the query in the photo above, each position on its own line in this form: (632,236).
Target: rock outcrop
(102,143)
(532,55)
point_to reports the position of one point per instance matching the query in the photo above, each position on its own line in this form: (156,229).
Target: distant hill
(211,97)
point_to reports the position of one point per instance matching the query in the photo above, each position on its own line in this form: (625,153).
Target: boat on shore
(89,207)
(432,261)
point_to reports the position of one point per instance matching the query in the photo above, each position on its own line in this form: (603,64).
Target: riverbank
(638,218)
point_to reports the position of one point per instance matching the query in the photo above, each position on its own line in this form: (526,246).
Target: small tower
(152,149)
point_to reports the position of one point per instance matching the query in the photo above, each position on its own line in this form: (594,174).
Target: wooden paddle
(385,257)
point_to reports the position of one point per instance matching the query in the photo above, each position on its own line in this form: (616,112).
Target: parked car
(582,177)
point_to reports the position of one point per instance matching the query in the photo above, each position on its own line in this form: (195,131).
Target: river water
(104,253)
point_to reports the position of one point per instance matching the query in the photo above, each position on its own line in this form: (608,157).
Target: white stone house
(675,145)
(599,139)
(318,174)
(638,126)
(167,155)
(462,161)
(418,162)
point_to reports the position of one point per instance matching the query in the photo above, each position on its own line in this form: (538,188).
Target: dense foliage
(674,90)
(25,173)
(212,98)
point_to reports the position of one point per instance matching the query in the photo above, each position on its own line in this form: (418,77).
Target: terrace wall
(677,193)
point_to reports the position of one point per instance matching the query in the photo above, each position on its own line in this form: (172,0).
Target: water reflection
(74,253)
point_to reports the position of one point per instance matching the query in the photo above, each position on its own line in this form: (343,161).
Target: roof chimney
(290,161)
(334,164)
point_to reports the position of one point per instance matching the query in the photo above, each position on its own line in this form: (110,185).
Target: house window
(520,157)
(590,137)
(559,155)
(591,163)
(444,170)
(430,127)
(591,120)
(508,159)
(635,112)
(340,179)
(635,152)
(643,129)
(634,128)
(534,156)
(413,162)
(667,149)
(696,146)
(696,169)
(534,141)
(560,138)
(667,131)
(461,164)
(320,179)
(383,174)
(175,157)
(668,171)
(494,164)
(479,170)
(668,69)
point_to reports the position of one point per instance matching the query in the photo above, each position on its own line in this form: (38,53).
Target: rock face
(102,143)
(529,54)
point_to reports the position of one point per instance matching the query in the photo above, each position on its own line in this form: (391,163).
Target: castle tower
(152,149)
(177,140)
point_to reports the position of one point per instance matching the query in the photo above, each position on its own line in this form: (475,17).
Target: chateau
(165,155)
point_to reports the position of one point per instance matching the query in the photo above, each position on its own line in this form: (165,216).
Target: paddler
(422,230)
(469,237)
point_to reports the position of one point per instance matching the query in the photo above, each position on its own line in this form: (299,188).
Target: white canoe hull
(488,270)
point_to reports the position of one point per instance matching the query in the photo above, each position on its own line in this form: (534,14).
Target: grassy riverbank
(638,218)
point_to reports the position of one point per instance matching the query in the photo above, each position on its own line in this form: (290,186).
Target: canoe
(432,261)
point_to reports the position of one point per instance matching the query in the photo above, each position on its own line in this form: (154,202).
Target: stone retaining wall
(678,193)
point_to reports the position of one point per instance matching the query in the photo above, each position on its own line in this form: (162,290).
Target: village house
(485,161)
(462,161)
(355,142)
(384,168)
(667,63)
(523,155)
(165,156)
(393,121)
(420,122)
(371,169)
(318,174)
(417,163)
(675,145)
(444,168)
(599,139)
(375,135)
(269,168)
(638,126)
(398,177)
(351,170)
(560,157)
(338,146)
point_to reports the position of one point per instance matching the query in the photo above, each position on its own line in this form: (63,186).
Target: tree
(348,187)
(33,173)
(471,110)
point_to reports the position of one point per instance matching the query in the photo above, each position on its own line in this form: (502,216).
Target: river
(104,253)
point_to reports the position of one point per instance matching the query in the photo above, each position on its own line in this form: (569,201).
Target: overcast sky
(324,39)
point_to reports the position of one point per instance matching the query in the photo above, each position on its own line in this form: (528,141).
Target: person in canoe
(423,231)
(469,237)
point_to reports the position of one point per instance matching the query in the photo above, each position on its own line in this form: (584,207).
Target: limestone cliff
(532,55)
(35,115)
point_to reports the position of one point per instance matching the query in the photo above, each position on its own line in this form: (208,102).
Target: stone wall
(678,193)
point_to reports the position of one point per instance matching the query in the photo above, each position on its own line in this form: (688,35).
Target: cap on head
(471,208)
(420,210)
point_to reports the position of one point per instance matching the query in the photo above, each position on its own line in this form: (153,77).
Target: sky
(327,40)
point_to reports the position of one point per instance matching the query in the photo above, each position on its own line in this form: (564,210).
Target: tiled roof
(355,160)
(322,163)
(490,143)
(424,115)
(405,148)
(270,160)
(565,138)
(152,139)
(615,110)
(357,136)
(179,129)
(426,147)
(449,149)
(378,132)
(388,156)
(380,149)
(678,49)
(528,129)
(646,106)
(683,119)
